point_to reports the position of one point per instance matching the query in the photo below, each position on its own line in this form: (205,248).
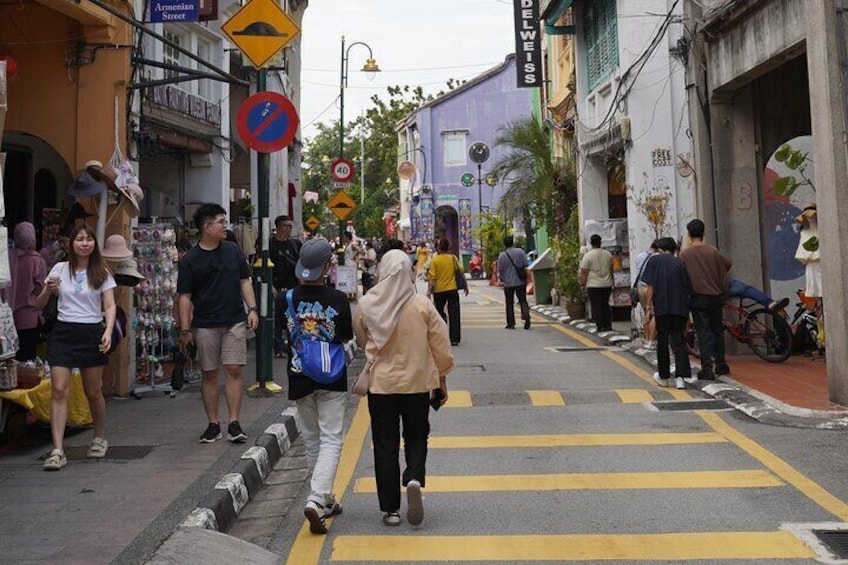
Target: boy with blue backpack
(317,323)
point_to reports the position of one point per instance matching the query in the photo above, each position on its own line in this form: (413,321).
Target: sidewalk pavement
(793,393)
(123,507)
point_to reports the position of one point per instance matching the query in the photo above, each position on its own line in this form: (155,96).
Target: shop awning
(553,13)
(82,11)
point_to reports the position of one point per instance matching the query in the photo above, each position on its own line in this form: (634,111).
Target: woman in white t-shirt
(79,339)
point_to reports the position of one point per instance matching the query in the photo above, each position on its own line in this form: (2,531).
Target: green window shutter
(600,28)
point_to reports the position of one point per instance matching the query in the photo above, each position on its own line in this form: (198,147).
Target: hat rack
(154,319)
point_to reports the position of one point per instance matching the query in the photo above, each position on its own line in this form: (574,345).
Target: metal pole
(265,337)
(342,79)
(480,207)
(362,159)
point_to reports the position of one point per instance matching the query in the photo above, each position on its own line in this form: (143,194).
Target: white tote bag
(5,274)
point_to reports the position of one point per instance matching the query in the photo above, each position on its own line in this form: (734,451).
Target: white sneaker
(414,503)
(691,380)
(651,346)
(660,381)
(679,383)
(315,516)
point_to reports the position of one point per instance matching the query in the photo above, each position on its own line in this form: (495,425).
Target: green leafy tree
(567,248)
(538,183)
(491,230)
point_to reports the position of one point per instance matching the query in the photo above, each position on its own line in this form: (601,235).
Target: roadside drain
(835,540)
(115,452)
(688,405)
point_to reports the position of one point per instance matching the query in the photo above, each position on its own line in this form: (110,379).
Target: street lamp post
(369,67)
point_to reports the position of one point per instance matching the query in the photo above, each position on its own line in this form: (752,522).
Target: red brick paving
(799,381)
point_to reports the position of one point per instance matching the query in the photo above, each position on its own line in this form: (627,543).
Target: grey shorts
(221,346)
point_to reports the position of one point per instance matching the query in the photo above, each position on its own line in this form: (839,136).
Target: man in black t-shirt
(213,286)
(321,313)
(284,252)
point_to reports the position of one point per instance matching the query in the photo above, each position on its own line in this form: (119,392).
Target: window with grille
(454,142)
(171,55)
(601,33)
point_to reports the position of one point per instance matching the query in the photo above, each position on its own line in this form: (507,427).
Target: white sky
(455,38)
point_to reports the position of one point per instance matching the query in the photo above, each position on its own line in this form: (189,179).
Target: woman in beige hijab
(407,348)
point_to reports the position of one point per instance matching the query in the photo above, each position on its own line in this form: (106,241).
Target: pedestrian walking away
(596,278)
(284,252)
(79,339)
(407,352)
(213,286)
(513,274)
(667,300)
(648,328)
(442,286)
(707,271)
(318,313)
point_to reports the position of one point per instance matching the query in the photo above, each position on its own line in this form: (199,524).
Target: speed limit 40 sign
(341,169)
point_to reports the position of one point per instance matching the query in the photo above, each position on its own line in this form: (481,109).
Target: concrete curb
(221,506)
(755,404)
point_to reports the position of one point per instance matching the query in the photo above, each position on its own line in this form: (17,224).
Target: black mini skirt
(75,345)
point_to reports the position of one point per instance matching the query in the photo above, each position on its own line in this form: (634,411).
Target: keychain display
(154,324)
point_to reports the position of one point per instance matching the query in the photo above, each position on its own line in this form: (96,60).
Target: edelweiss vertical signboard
(528,43)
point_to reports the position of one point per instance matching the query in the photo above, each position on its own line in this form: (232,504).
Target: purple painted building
(436,138)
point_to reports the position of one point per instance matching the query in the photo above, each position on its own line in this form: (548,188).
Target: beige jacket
(416,355)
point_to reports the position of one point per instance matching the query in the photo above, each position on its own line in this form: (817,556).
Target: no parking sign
(267,122)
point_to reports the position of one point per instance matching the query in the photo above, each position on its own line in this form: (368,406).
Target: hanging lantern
(11,62)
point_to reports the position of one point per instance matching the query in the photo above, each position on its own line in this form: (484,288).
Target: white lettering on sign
(527,43)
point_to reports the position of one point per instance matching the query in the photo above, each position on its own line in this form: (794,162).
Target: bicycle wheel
(768,335)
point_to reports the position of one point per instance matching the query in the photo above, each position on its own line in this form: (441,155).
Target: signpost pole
(480,203)
(265,335)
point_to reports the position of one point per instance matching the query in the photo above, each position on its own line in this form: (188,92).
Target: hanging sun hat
(116,248)
(85,185)
(132,209)
(136,192)
(126,273)
(102,174)
(807,212)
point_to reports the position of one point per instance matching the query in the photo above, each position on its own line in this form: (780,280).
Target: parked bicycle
(805,325)
(766,332)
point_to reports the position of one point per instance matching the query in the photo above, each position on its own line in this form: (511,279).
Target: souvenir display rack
(154,325)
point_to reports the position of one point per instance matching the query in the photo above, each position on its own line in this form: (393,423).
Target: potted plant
(567,270)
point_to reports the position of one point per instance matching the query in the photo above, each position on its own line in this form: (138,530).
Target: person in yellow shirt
(442,285)
(421,256)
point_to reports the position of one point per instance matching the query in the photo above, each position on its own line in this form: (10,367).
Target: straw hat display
(115,248)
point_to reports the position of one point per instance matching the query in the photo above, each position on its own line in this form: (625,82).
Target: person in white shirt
(80,339)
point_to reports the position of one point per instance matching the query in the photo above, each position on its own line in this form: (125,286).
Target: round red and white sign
(341,169)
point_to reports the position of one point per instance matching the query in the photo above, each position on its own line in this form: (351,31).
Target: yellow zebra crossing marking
(557,548)
(634,396)
(574,440)
(545,398)
(591,481)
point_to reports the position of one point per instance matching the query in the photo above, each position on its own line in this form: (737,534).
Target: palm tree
(539,183)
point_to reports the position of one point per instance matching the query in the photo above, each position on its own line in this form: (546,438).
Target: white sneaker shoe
(315,516)
(660,381)
(414,503)
(691,380)
(679,383)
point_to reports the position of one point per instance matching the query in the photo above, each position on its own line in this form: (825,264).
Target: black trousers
(387,411)
(601,310)
(670,330)
(27,344)
(707,312)
(451,298)
(510,294)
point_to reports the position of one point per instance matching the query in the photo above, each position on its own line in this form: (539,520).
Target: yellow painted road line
(627,364)
(778,466)
(756,478)
(499,326)
(307,547)
(545,398)
(575,440)
(557,548)
(634,396)
(458,399)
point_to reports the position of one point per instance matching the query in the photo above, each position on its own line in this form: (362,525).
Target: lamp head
(370,68)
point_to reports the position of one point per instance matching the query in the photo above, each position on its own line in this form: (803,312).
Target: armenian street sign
(174,11)
(467,179)
(260,29)
(267,121)
(312,223)
(342,169)
(341,205)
